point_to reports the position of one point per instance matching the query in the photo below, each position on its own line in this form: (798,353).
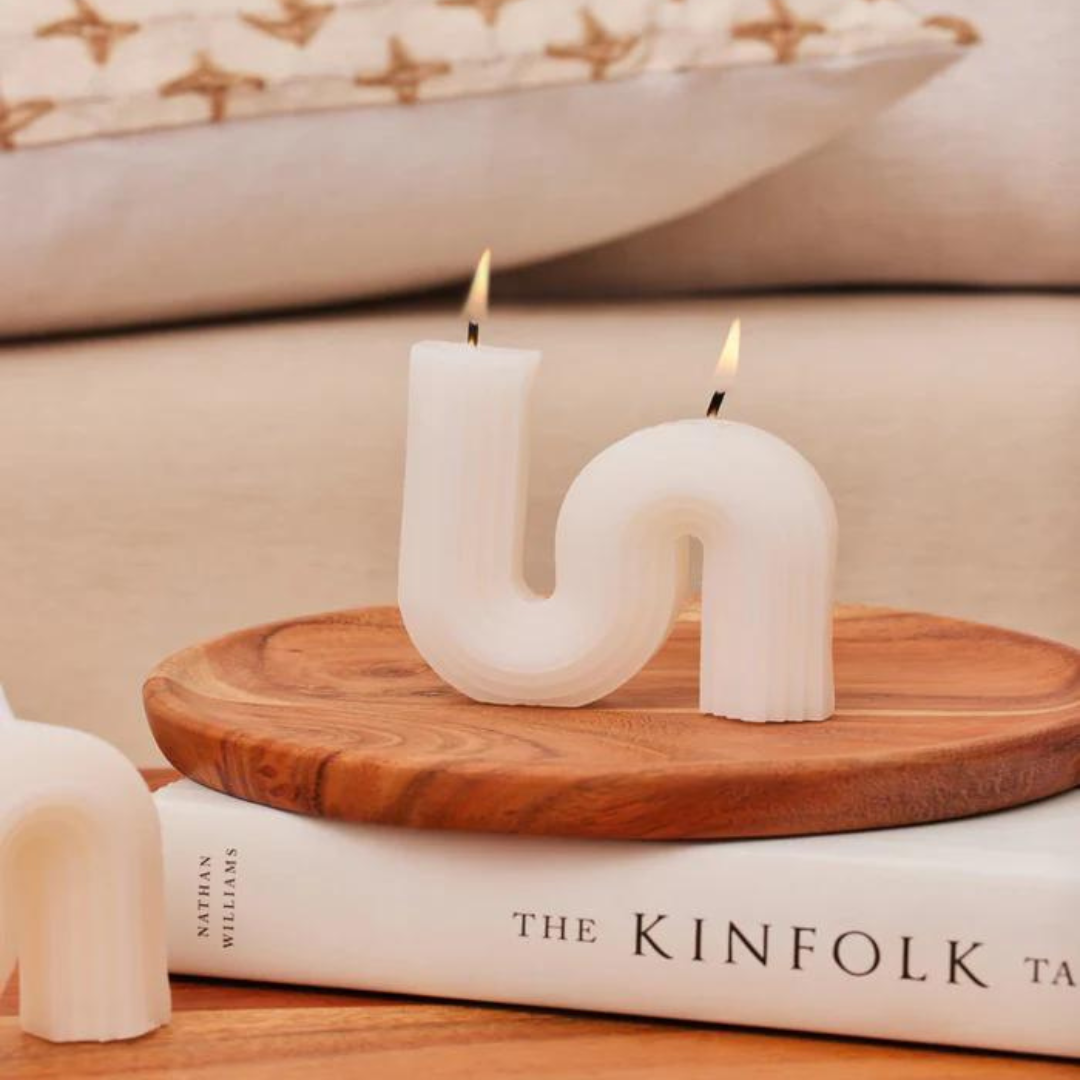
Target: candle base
(338,716)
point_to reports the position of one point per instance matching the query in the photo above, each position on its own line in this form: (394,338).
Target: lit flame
(728,364)
(476,303)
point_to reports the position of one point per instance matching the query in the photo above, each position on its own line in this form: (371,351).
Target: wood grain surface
(404,1040)
(337,715)
(247,1031)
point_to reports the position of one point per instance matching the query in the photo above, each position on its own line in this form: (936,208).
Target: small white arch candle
(81,886)
(761,512)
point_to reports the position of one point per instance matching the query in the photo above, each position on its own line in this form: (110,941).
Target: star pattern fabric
(599,48)
(18,115)
(99,34)
(784,32)
(212,82)
(214,61)
(404,75)
(964,31)
(488,10)
(299,22)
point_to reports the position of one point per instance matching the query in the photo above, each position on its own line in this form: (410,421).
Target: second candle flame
(728,364)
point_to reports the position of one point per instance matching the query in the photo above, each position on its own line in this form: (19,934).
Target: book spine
(748,933)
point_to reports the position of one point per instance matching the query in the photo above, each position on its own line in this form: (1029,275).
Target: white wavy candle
(763,515)
(81,892)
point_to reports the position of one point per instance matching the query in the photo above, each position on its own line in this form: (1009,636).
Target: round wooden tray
(337,715)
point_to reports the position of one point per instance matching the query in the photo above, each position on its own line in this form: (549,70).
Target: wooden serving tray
(337,715)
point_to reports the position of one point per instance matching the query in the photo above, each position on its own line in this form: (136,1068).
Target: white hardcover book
(965,933)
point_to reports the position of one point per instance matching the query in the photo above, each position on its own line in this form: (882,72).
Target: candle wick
(714,405)
(473,336)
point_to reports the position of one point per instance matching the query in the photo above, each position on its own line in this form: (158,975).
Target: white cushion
(121,203)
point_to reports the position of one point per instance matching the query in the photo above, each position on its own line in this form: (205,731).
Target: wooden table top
(235,1031)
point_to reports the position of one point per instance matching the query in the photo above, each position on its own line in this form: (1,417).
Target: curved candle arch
(81,893)
(763,515)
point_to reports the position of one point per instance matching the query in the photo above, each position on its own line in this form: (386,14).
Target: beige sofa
(161,487)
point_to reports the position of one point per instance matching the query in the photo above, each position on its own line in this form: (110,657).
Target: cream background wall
(159,488)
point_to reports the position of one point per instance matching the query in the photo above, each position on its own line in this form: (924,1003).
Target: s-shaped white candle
(81,886)
(761,512)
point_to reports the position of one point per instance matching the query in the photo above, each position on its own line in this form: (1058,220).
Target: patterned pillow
(415,84)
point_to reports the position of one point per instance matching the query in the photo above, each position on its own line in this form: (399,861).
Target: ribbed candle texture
(81,893)
(764,517)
